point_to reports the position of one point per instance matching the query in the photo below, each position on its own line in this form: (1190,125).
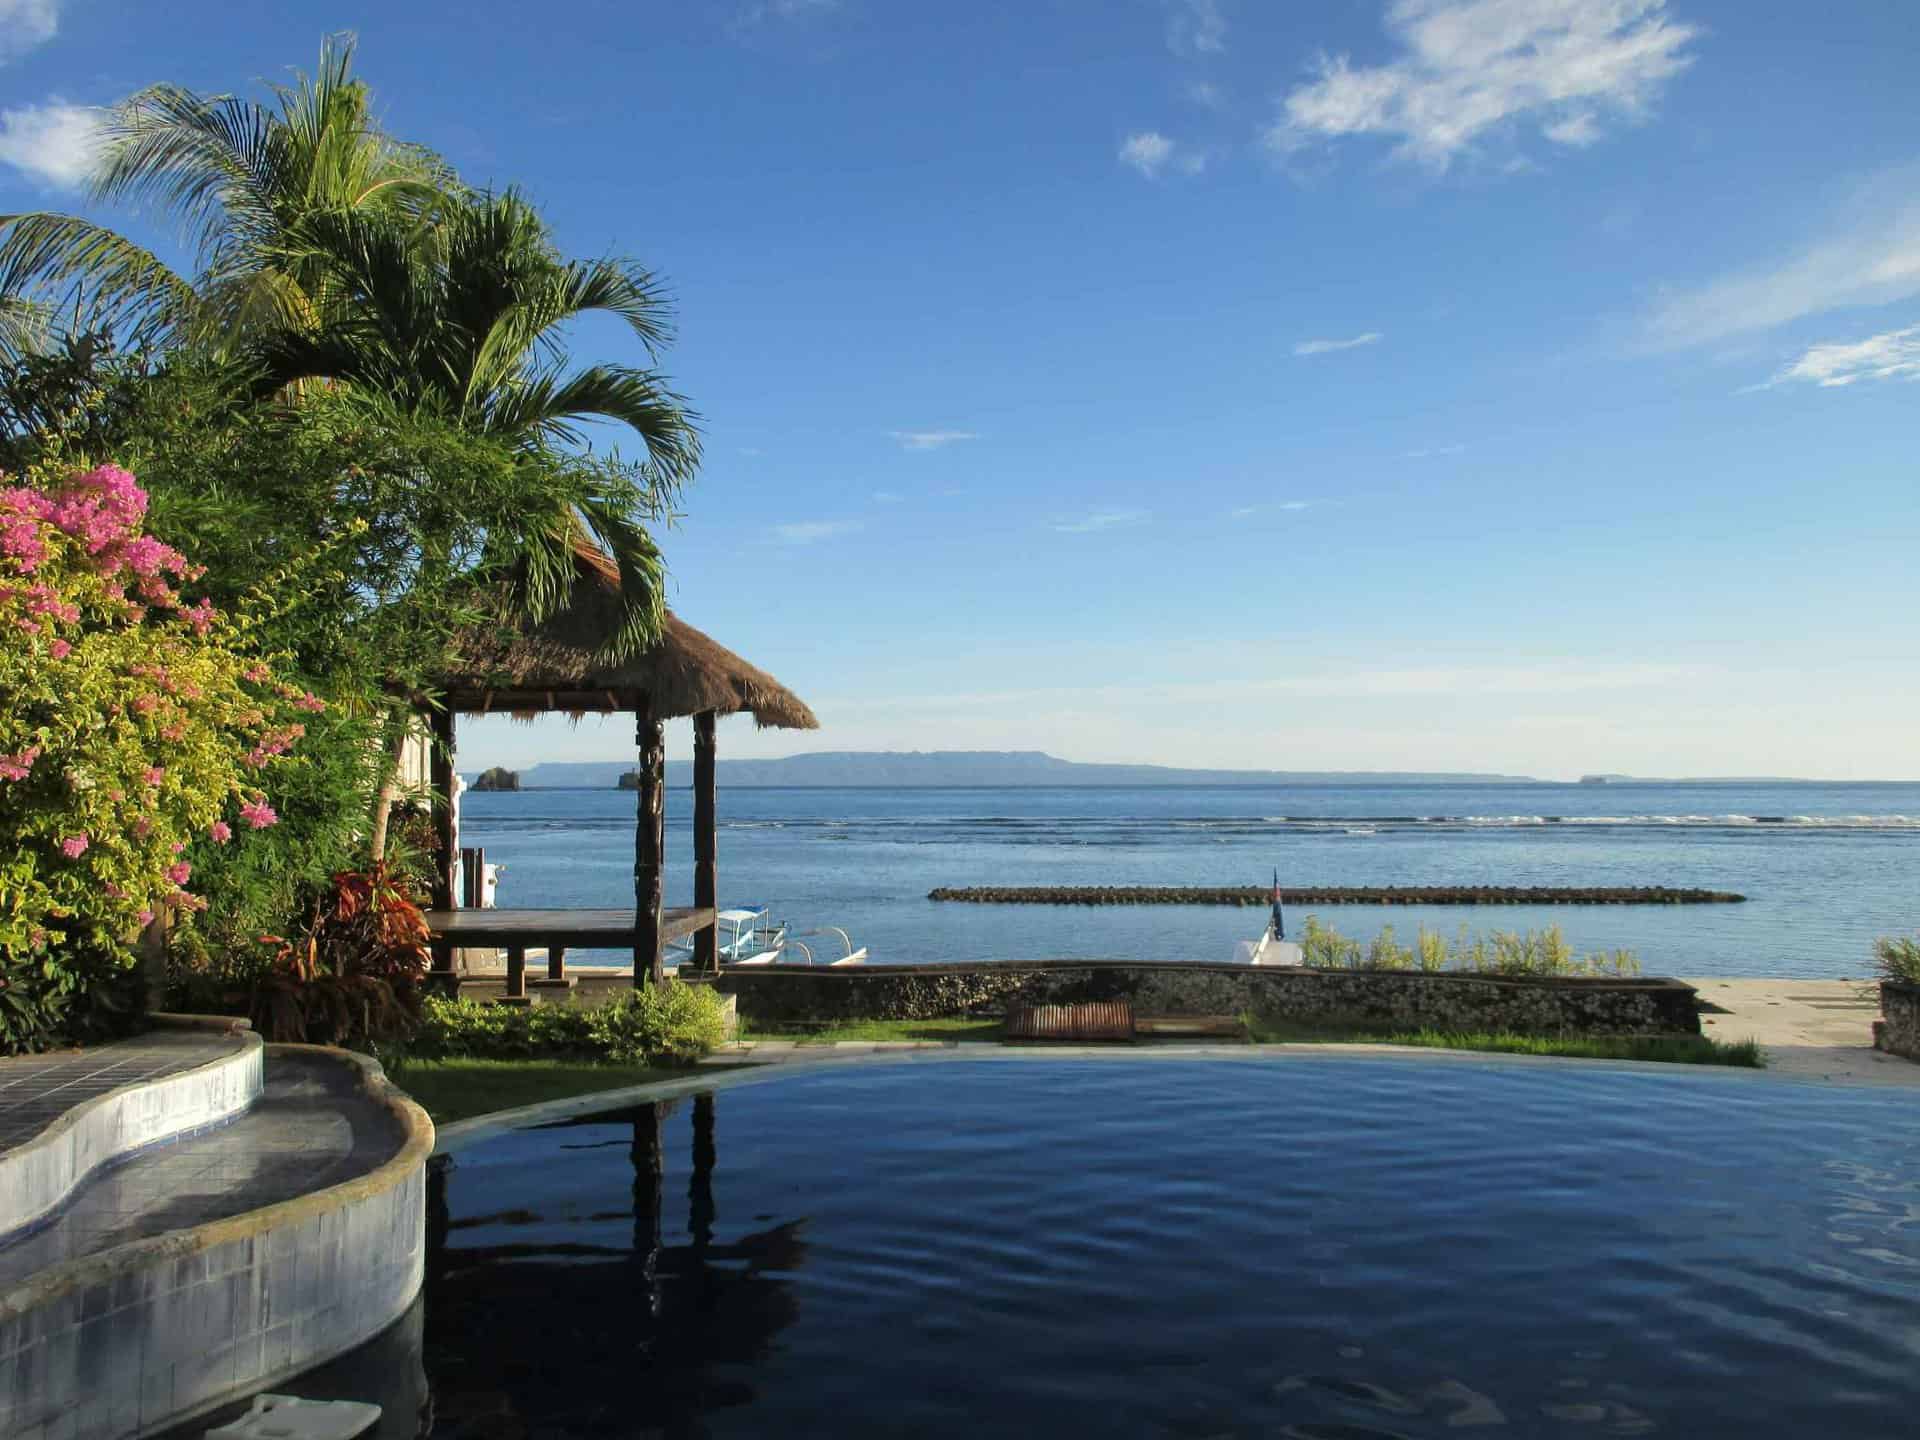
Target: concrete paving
(1810,1029)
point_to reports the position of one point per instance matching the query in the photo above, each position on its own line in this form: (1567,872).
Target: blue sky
(1442,384)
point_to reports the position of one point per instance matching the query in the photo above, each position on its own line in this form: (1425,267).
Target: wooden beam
(706,868)
(649,847)
(446,831)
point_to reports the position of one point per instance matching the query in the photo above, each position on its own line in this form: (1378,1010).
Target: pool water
(1321,1247)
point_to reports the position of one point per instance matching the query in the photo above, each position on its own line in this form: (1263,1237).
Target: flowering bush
(135,723)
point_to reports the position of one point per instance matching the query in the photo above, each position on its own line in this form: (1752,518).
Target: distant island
(930,769)
(498,778)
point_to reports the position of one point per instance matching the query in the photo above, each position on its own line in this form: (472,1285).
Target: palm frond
(551,404)
(115,283)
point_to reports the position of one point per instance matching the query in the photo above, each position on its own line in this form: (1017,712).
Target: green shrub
(1899,959)
(673,1022)
(1528,952)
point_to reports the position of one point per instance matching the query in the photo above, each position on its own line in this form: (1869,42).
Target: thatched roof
(553,666)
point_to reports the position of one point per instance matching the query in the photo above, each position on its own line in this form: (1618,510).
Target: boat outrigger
(748,937)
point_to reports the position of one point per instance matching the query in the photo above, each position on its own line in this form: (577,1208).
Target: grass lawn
(955,1029)
(450,1090)
(1674,1049)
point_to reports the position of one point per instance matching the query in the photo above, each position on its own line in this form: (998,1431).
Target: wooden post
(473,876)
(446,832)
(649,846)
(706,869)
(516,972)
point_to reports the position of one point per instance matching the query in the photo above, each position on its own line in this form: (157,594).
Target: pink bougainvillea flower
(142,828)
(17,765)
(60,649)
(221,832)
(146,917)
(74,846)
(155,774)
(114,892)
(179,872)
(310,702)
(258,814)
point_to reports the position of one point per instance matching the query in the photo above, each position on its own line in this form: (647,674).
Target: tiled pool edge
(458,1135)
(37,1176)
(142,1337)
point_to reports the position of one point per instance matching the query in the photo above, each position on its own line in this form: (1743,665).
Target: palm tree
(242,177)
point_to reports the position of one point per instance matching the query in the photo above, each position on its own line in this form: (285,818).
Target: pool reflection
(542,1332)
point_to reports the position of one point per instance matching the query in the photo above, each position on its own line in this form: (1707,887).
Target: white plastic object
(287,1417)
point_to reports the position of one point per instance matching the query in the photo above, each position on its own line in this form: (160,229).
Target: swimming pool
(1327,1248)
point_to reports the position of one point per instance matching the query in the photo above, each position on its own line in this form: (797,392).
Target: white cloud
(810,532)
(1892,356)
(1196,27)
(25,24)
(761,11)
(54,143)
(1471,67)
(930,439)
(1101,520)
(1871,257)
(1323,347)
(885,497)
(1433,452)
(1152,154)
(1207,94)
(1243,511)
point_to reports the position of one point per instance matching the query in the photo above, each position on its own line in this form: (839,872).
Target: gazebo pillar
(443,779)
(706,876)
(649,847)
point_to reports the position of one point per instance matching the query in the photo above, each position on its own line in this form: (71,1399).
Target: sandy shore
(1811,1029)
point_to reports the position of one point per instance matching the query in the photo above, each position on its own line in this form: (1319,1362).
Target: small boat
(1273,947)
(748,937)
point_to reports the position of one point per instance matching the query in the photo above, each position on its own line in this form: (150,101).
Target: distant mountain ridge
(963,768)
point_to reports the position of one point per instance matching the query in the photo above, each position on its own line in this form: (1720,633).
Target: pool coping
(458,1135)
(44,1299)
(38,1175)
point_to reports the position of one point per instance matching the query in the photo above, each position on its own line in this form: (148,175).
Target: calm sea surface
(1826,867)
(1315,1248)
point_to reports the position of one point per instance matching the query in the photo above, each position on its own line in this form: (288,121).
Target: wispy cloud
(1195,28)
(885,497)
(1324,347)
(55,143)
(811,532)
(760,12)
(1470,68)
(1892,356)
(1101,520)
(930,439)
(25,24)
(1871,256)
(1152,154)
(1243,511)
(1432,452)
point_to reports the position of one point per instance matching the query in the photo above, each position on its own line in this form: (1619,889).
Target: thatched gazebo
(529,670)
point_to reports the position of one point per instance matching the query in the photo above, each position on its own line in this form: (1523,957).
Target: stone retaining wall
(801,995)
(1898,1030)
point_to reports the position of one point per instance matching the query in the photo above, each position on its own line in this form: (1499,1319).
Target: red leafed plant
(355,978)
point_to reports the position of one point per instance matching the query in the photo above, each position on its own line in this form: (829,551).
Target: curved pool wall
(138,1338)
(776,995)
(36,1176)
(1166,1243)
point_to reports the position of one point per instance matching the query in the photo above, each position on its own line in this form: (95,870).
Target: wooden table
(517,931)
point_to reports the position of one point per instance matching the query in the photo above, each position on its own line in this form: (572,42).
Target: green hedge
(672,1023)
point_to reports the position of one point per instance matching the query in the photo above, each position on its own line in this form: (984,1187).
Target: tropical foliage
(674,1022)
(356,408)
(137,726)
(1535,953)
(1899,959)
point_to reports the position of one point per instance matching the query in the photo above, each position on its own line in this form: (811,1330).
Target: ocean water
(1826,867)
(1320,1248)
